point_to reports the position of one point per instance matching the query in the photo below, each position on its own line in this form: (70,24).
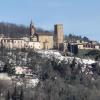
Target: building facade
(46,40)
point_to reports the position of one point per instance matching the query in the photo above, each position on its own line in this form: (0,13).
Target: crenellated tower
(58,35)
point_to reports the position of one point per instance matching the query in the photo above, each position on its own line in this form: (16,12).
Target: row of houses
(91,45)
(45,40)
(14,43)
(88,45)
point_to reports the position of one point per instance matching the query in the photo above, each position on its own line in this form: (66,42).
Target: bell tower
(32,29)
(33,35)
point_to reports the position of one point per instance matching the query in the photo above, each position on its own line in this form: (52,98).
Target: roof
(45,33)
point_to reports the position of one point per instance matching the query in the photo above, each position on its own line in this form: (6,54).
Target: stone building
(58,35)
(46,40)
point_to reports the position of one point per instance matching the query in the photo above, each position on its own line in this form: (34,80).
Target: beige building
(46,40)
(80,46)
(97,47)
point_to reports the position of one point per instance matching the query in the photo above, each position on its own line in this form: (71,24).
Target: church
(45,39)
(48,40)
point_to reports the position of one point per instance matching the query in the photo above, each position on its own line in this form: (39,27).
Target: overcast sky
(81,17)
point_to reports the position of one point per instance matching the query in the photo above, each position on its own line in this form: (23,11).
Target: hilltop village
(28,63)
(35,40)
(45,41)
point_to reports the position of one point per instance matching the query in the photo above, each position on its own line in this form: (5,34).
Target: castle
(43,40)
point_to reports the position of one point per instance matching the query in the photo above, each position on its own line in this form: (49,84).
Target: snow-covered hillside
(86,64)
(57,55)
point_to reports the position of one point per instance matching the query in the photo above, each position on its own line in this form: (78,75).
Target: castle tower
(58,35)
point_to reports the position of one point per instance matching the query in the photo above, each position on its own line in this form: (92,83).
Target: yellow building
(45,39)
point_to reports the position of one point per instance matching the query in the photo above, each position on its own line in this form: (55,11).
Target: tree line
(76,37)
(14,30)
